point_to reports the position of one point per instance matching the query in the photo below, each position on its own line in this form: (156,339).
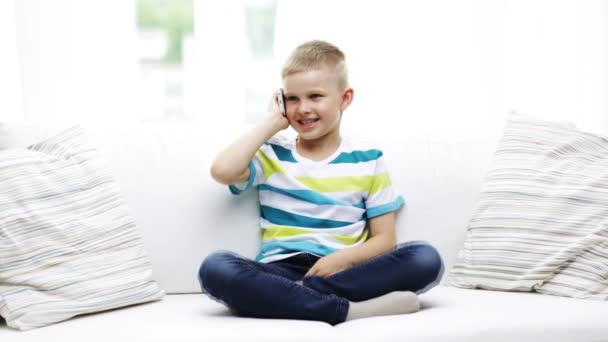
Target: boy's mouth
(308,123)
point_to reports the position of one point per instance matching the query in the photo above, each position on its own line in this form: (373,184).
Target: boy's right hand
(231,166)
(275,112)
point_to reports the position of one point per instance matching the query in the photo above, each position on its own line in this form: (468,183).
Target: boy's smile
(307,124)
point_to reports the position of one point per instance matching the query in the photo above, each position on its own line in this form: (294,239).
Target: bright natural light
(418,67)
(427,170)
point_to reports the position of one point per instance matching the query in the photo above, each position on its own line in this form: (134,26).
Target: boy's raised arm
(231,166)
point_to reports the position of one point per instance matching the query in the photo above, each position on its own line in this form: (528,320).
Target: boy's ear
(347,98)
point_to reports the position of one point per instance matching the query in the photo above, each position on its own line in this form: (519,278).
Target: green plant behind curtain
(175,17)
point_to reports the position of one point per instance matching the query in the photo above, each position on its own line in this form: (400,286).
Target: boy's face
(314,103)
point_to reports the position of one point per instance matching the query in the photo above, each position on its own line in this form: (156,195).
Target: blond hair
(315,54)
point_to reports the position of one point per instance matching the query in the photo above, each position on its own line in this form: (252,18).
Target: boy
(327,211)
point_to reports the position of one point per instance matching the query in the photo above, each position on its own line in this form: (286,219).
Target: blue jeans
(280,290)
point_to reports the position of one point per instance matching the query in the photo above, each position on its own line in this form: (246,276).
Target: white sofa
(183,216)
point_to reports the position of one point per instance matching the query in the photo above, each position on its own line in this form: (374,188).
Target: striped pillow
(541,223)
(67,243)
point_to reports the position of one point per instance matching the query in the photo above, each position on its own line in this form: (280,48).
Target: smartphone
(281,101)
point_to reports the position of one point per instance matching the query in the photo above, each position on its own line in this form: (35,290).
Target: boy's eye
(291,98)
(315,96)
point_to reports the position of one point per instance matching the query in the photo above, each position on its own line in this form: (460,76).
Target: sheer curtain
(432,68)
(77,59)
(414,65)
(214,85)
(11,100)
(454,68)
(419,67)
(555,60)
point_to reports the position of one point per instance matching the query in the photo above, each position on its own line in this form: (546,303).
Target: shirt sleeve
(256,176)
(382,197)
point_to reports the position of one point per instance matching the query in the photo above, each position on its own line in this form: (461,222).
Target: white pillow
(68,245)
(541,223)
(15,134)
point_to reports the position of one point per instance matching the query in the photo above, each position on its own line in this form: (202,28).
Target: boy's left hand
(329,265)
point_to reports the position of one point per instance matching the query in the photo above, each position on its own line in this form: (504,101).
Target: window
(259,28)
(164,27)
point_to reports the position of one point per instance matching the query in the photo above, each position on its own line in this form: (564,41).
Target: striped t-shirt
(317,207)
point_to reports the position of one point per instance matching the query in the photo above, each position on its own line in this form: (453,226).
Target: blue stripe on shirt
(357,157)
(283,154)
(385,208)
(293,246)
(285,218)
(235,190)
(304,195)
(360,205)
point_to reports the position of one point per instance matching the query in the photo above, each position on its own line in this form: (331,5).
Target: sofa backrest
(183,215)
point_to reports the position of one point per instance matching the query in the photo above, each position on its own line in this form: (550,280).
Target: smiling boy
(328,208)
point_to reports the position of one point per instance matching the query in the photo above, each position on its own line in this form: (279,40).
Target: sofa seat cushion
(448,314)
(463,315)
(176,318)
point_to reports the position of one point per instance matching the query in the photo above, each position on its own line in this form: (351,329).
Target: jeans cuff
(341,310)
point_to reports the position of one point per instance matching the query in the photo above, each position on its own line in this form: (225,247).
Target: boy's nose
(304,107)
